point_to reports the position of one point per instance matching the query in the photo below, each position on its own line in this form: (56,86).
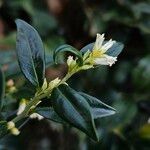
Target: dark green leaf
(67,48)
(49,113)
(98,108)
(114,51)
(2,87)
(74,109)
(87,47)
(30,53)
(3,128)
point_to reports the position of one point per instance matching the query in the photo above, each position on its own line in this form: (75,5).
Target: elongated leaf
(114,51)
(49,113)
(74,109)
(30,53)
(87,47)
(2,87)
(98,108)
(67,48)
(3,128)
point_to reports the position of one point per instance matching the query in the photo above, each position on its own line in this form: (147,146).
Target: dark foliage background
(125,86)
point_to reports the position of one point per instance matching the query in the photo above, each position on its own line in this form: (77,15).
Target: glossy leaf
(74,109)
(3,128)
(114,51)
(67,48)
(30,53)
(87,47)
(2,87)
(49,113)
(98,108)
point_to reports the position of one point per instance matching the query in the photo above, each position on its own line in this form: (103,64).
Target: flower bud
(15,131)
(36,115)
(12,89)
(10,125)
(10,83)
(22,106)
(71,63)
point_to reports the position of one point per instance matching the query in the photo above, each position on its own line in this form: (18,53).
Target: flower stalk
(38,98)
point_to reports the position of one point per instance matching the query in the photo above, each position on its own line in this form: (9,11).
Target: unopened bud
(12,89)
(22,106)
(36,115)
(10,125)
(15,131)
(10,83)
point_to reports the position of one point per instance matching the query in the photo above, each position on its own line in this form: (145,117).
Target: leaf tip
(17,21)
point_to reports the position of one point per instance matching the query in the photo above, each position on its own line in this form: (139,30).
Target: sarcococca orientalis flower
(98,55)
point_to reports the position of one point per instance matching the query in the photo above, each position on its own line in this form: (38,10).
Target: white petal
(99,40)
(107,45)
(105,60)
(111,60)
(100,61)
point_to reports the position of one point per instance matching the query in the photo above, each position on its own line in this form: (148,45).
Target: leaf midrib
(32,58)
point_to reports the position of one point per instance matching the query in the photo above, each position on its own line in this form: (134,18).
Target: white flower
(22,106)
(98,55)
(36,115)
(99,40)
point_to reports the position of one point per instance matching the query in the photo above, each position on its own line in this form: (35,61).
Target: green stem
(36,99)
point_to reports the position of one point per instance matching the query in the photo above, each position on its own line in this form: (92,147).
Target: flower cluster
(11,127)
(97,56)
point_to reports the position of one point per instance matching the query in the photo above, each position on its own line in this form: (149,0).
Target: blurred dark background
(125,86)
